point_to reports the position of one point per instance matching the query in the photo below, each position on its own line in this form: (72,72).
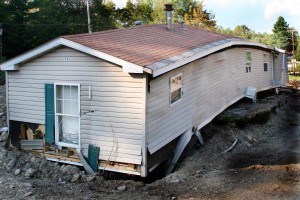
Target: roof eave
(162,67)
(14,63)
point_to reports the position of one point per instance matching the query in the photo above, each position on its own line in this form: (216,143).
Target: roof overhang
(169,64)
(280,50)
(14,63)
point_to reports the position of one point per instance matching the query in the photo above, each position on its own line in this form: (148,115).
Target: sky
(258,15)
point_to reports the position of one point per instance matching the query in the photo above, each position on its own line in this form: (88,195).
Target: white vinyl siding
(113,117)
(210,84)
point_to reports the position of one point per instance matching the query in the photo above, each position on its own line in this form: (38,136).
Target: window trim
(248,62)
(57,142)
(170,90)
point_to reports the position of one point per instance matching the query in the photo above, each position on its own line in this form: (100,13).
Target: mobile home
(131,91)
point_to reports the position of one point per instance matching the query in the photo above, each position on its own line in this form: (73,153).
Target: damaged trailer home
(138,94)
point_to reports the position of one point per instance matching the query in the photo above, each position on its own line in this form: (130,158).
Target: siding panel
(209,85)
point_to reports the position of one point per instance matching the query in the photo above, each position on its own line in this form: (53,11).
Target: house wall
(209,86)
(111,119)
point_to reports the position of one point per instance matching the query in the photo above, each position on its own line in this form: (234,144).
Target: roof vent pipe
(169,18)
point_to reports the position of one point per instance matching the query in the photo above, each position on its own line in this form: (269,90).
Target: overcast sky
(259,15)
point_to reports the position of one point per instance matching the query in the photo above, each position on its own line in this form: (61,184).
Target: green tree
(184,8)
(103,15)
(243,31)
(13,18)
(282,37)
(297,53)
(158,14)
(199,17)
(142,10)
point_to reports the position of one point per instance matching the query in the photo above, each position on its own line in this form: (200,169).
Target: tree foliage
(198,17)
(282,37)
(141,11)
(29,23)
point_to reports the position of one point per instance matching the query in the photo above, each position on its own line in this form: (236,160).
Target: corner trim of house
(144,140)
(13,63)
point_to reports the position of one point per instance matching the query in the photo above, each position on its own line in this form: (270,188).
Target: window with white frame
(248,61)
(175,89)
(67,114)
(266,62)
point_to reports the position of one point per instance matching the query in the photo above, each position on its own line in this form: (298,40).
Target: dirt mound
(263,164)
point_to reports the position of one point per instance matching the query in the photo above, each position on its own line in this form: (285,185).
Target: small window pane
(265,58)
(74,92)
(67,107)
(176,83)
(175,95)
(59,106)
(74,108)
(68,128)
(248,57)
(265,67)
(59,92)
(67,92)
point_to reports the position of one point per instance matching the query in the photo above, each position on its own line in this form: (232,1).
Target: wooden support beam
(199,136)
(85,164)
(183,141)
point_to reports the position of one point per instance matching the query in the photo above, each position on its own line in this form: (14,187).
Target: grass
(296,78)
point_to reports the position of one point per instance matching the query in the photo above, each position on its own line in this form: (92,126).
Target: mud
(264,164)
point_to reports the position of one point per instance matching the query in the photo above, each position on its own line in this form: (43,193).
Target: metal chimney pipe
(169,17)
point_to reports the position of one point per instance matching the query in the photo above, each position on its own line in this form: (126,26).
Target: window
(175,89)
(67,117)
(248,61)
(265,62)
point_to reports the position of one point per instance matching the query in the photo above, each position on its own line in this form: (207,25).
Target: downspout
(282,68)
